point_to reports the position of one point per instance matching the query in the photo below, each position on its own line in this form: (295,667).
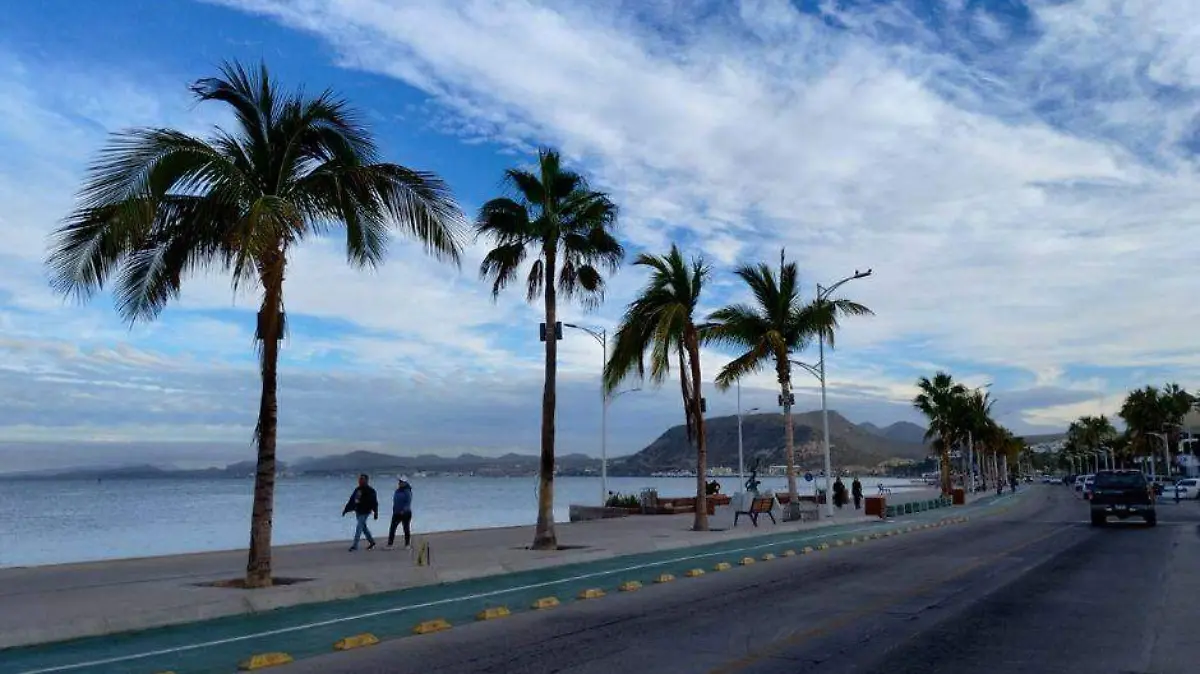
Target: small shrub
(623,501)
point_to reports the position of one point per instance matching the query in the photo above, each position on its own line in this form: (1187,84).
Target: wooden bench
(758,506)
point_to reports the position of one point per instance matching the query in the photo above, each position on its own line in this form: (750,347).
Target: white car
(1188,488)
(1081,484)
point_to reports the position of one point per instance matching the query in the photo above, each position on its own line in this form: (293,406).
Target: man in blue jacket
(363,503)
(401,512)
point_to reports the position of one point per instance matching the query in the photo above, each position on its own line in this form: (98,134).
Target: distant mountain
(375,462)
(138,472)
(763,440)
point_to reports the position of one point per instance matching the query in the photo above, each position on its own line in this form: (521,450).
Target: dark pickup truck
(1122,494)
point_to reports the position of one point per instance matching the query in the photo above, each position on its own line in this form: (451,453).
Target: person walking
(401,513)
(839,492)
(363,503)
(856,492)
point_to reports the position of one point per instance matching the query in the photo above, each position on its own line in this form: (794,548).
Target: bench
(758,506)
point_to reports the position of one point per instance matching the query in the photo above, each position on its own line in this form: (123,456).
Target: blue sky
(1020,176)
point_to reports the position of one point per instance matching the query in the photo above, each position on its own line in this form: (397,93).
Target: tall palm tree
(940,400)
(158,203)
(778,324)
(975,423)
(1144,413)
(661,320)
(568,227)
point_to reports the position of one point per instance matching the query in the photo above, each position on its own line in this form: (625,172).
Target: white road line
(440,602)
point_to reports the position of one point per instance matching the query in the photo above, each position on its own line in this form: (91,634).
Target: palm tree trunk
(946,486)
(544,537)
(693,347)
(789,431)
(269,333)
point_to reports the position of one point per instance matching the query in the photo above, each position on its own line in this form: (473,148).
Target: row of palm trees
(1153,417)
(662,323)
(961,417)
(157,204)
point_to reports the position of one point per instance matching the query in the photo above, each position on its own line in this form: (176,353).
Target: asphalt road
(1034,587)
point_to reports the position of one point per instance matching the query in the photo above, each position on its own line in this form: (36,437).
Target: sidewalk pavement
(54,603)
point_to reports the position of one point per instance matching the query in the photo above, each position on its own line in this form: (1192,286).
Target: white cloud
(1028,211)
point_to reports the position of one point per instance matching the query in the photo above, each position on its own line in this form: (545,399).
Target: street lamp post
(601,336)
(1167,447)
(741,455)
(818,371)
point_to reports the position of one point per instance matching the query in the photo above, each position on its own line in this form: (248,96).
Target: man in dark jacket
(363,502)
(401,513)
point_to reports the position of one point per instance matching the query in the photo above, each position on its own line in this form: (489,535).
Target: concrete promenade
(54,603)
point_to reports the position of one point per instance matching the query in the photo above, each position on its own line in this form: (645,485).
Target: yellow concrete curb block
(854,541)
(630,586)
(356,641)
(694,573)
(807,550)
(664,578)
(823,546)
(431,626)
(839,543)
(746,561)
(722,566)
(545,602)
(493,613)
(591,593)
(789,553)
(264,660)
(768,557)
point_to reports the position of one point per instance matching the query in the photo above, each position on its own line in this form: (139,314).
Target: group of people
(839,493)
(364,503)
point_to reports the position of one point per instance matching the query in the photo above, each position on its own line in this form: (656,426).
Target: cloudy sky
(1019,176)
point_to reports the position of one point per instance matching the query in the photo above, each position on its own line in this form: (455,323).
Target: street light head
(862,274)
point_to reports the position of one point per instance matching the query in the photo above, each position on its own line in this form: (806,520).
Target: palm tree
(568,227)
(975,422)
(661,320)
(940,400)
(778,324)
(159,203)
(1144,413)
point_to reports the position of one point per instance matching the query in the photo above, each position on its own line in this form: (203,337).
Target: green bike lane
(311,629)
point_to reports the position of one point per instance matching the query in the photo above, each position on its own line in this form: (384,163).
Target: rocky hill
(853,446)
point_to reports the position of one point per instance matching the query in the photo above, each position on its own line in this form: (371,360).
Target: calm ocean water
(55,522)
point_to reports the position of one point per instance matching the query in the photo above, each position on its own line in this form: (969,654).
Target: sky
(1020,177)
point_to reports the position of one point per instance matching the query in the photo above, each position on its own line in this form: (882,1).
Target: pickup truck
(1122,494)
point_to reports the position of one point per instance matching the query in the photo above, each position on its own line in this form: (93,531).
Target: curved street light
(818,371)
(601,337)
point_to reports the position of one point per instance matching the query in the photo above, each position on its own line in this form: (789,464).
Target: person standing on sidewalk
(856,492)
(401,513)
(363,502)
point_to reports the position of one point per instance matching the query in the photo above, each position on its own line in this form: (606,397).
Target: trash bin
(876,505)
(959,496)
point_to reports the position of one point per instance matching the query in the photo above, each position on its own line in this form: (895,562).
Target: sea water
(61,521)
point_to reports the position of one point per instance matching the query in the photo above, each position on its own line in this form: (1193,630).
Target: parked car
(1122,494)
